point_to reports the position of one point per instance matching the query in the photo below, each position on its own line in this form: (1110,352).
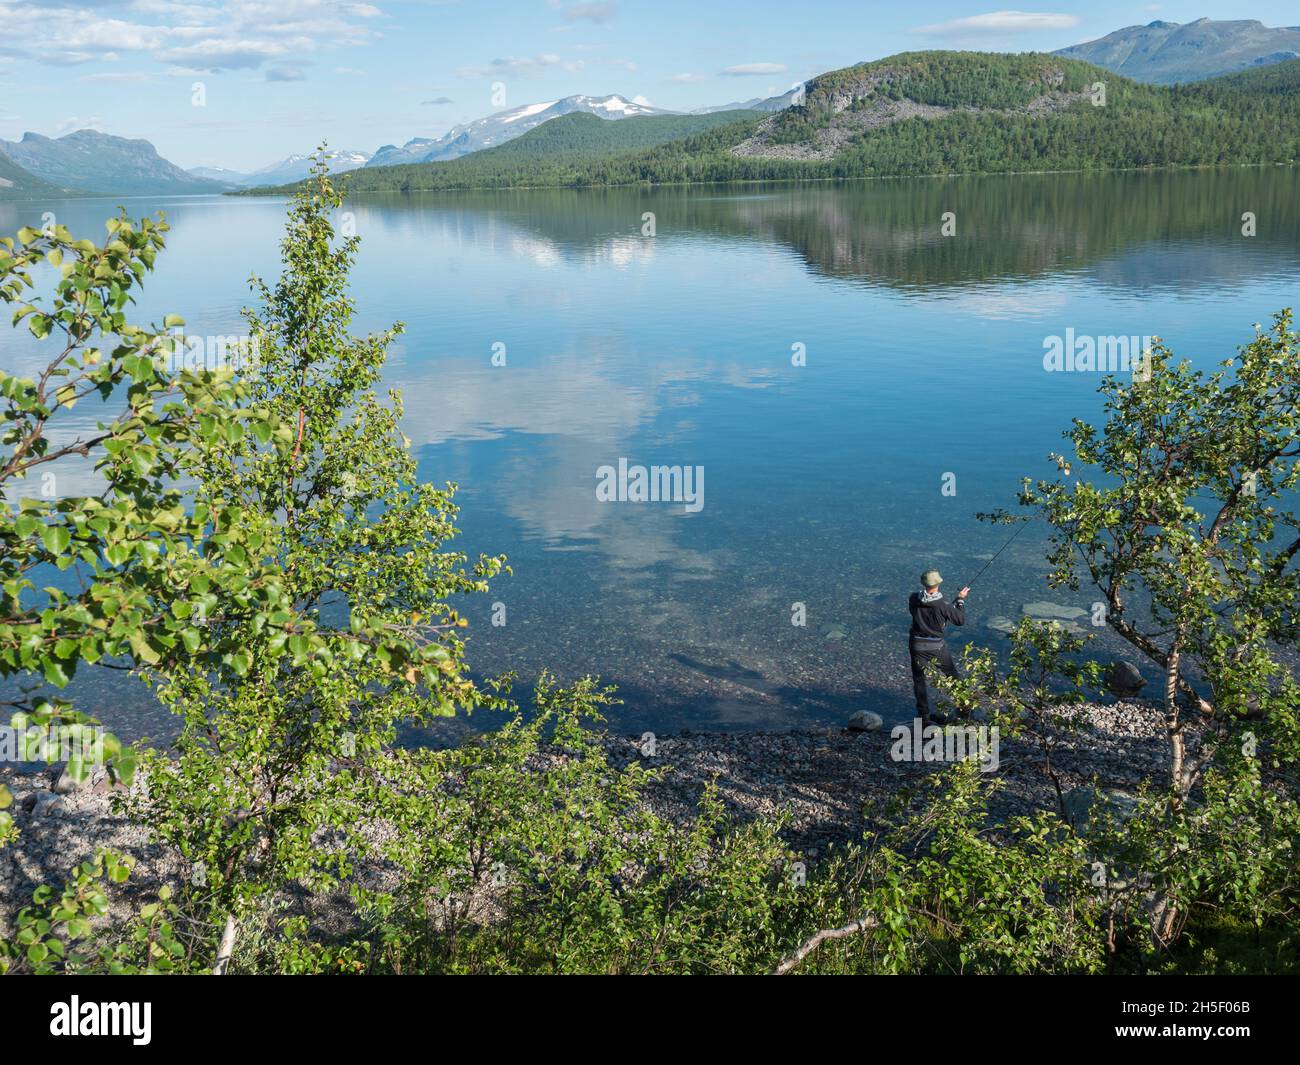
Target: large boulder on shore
(1124,679)
(44,803)
(865,721)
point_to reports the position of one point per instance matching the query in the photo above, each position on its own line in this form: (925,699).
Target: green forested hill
(574,142)
(954,79)
(585,134)
(911,114)
(967,112)
(1279,79)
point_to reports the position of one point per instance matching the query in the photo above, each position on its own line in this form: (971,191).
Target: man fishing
(931,614)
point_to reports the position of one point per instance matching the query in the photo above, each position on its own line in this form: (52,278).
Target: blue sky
(279,75)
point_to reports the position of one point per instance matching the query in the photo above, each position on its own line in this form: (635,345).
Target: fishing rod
(1010,541)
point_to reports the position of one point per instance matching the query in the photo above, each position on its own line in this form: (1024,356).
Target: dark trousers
(927,655)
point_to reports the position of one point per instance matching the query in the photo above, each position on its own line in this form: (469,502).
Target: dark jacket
(929,619)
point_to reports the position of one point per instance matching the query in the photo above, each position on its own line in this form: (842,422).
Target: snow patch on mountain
(527,112)
(507,125)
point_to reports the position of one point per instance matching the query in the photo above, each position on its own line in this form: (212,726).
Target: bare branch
(854,928)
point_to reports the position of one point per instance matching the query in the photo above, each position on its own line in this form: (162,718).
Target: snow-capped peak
(492,130)
(527,112)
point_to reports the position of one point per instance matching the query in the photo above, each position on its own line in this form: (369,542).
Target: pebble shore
(822,778)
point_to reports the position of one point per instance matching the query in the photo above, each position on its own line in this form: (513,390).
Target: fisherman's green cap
(931,579)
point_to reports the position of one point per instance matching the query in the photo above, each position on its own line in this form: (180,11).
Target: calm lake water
(823,483)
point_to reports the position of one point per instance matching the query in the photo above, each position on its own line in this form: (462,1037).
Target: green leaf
(78,769)
(124,765)
(56,538)
(55,673)
(141,461)
(142,649)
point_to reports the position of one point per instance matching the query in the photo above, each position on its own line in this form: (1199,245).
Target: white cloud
(520,67)
(111,78)
(754,69)
(998,22)
(70,125)
(601,12)
(689,79)
(229,53)
(194,34)
(285,73)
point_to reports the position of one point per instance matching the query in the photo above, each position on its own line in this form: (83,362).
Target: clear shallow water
(822,482)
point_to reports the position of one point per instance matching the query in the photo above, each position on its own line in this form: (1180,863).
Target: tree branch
(791,962)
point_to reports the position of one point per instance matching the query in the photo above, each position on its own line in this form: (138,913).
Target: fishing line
(1023,526)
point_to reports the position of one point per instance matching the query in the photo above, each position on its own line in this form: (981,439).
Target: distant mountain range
(286,171)
(505,126)
(91,163)
(912,114)
(218,173)
(1165,53)
(573,140)
(17,184)
(94,162)
(88,162)
(759,103)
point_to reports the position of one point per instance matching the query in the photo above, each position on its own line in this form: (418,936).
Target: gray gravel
(822,778)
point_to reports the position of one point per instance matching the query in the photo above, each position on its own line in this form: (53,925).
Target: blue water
(823,482)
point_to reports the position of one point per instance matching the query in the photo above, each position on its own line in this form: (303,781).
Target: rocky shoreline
(820,779)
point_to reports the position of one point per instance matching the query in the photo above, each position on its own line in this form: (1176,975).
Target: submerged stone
(1047,611)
